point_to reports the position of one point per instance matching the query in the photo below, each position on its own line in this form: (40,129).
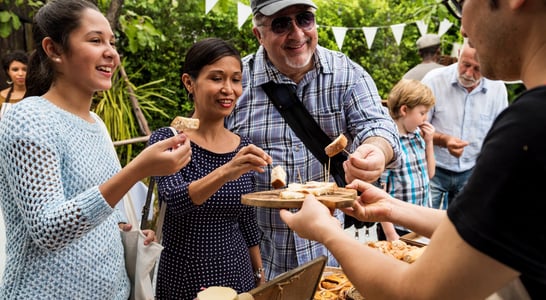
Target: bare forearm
(382,144)
(118,185)
(440,139)
(431,161)
(419,219)
(366,267)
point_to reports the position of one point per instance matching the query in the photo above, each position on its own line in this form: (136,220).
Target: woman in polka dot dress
(210,238)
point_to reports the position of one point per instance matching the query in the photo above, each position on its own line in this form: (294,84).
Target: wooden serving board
(342,197)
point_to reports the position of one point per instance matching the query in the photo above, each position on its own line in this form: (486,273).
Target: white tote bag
(139,259)
(5,107)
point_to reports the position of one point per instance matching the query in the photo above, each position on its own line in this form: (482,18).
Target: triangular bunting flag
(423,28)
(398,31)
(209,4)
(444,27)
(369,33)
(339,34)
(243,12)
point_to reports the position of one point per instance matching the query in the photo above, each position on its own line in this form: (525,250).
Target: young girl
(210,238)
(60,176)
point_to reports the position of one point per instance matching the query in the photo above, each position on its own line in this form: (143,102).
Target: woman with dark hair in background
(60,177)
(210,238)
(15,67)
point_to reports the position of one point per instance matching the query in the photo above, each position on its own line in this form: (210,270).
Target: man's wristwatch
(258,273)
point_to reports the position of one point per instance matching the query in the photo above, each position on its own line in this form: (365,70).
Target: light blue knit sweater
(63,240)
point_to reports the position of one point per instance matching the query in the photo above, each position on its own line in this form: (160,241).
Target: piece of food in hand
(278,177)
(182,123)
(336,146)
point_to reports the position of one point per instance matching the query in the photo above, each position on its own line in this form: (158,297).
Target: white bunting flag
(339,34)
(209,4)
(369,33)
(423,28)
(444,27)
(243,12)
(398,31)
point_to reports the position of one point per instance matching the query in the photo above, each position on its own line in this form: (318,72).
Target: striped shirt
(342,97)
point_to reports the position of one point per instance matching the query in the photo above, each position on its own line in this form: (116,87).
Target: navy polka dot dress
(205,245)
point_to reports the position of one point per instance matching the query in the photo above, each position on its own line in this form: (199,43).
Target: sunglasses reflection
(282,25)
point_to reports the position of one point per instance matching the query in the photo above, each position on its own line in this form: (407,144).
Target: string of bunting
(244,12)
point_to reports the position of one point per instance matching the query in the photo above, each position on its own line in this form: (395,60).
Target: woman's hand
(249,158)
(150,234)
(164,157)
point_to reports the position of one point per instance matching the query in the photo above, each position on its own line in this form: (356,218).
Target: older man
(466,105)
(339,95)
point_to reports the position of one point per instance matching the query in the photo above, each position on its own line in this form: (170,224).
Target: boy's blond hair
(411,93)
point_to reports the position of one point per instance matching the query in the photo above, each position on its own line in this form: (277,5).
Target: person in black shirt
(493,235)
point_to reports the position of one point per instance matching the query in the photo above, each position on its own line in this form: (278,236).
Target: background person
(466,106)
(478,245)
(15,66)
(428,46)
(60,176)
(409,102)
(210,238)
(338,93)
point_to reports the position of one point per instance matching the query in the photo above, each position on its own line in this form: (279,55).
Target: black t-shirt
(502,209)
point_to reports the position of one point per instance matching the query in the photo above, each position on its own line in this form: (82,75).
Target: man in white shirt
(466,105)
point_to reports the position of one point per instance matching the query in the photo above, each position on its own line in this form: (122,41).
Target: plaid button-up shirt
(342,97)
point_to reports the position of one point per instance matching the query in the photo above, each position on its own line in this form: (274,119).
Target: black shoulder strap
(286,101)
(146,208)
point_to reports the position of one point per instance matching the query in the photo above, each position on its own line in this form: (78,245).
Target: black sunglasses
(304,20)
(455,7)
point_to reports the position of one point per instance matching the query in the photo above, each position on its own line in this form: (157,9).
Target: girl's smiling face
(92,56)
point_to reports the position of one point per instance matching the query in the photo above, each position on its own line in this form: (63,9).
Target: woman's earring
(190,96)
(9,82)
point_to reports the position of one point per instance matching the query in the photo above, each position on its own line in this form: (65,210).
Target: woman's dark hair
(16,55)
(57,19)
(206,52)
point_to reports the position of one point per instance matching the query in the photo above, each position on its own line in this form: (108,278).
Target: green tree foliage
(154,35)
(180,23)
(9,20)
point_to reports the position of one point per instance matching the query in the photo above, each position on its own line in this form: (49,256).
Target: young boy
(409,102)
